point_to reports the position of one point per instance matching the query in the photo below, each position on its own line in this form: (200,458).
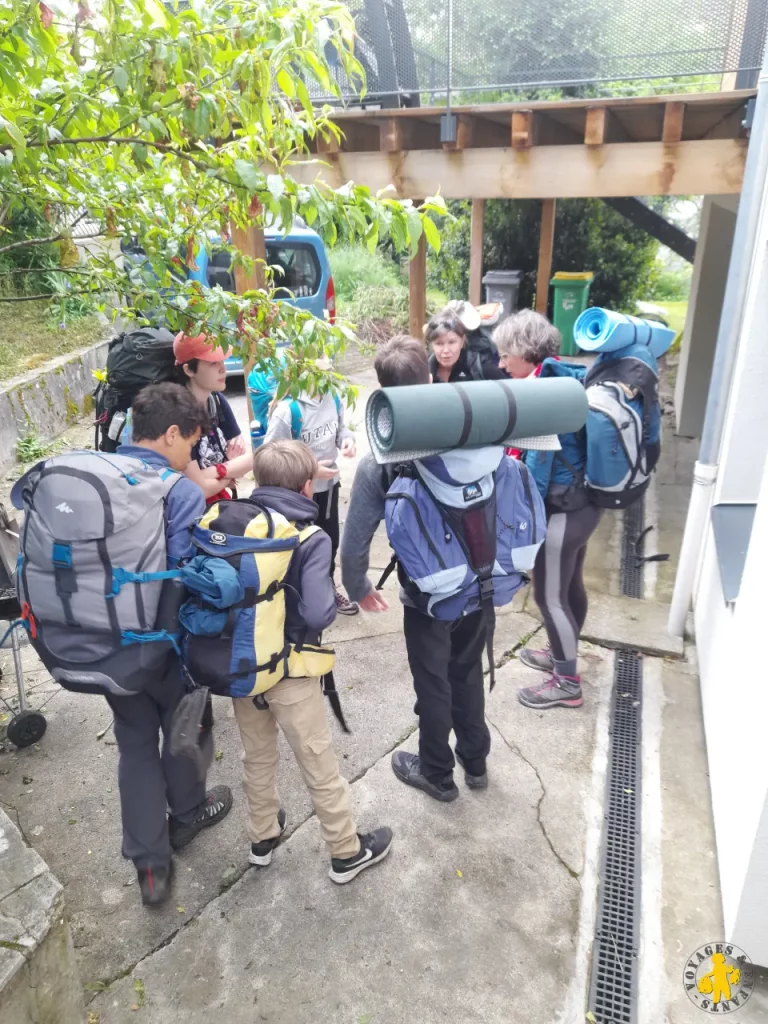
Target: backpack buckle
(487,587)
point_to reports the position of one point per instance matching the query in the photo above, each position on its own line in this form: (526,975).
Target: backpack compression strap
(327,681)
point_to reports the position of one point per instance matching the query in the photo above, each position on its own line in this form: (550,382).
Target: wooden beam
(417,291)
(672,131)
(546,244)
(596,126)
(545,172)
(476,252)
(391,135)
(523,127)
(464,134)
(250,242)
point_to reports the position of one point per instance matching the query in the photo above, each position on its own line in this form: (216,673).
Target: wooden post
(250,242)
(417,290)
(476,252)
(546,243)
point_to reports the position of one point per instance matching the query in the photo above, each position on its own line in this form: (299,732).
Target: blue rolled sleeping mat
(427,419)
(601,330)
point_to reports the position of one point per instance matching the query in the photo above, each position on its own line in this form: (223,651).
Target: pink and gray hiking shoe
(541,660)
(557,691)
(343,605)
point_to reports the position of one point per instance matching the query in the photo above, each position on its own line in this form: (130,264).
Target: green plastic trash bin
(569,301)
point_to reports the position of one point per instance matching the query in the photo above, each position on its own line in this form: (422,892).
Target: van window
(300,267)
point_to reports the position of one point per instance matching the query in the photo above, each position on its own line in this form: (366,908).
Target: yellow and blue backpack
(234,621)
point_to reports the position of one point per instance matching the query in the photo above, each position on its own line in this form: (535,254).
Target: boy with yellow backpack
(264,596)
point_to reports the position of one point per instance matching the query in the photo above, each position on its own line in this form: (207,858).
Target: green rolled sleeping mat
(426,419)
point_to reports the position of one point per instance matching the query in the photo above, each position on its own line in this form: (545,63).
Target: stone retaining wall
(39,980)
(46,402)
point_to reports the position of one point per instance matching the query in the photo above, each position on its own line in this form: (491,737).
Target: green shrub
(672,285)
(354,267)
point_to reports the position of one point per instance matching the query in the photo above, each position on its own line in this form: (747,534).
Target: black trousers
(446,660)
(328,520)
(151,780)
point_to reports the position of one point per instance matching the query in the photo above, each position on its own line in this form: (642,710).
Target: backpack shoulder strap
(296,420)
(308,531)
(337,403)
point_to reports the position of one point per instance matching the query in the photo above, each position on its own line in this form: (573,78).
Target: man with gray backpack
(465,528)
(102,538)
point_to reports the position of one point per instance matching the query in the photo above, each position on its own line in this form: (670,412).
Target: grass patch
(30,336)
(674,313)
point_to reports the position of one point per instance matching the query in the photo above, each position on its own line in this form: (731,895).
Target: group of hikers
(184,434)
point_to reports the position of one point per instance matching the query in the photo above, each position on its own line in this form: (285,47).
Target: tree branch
(46,241)
(44,270)
(47,295)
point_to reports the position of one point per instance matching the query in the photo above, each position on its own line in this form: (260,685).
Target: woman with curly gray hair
(528,344)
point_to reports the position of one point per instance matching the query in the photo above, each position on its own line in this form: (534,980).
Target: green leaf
(120,78)
(431,233)
(276,185)
(414,229)
(286,83)
(13,132)
(249,174)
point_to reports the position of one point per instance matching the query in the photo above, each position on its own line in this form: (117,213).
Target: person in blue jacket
(528,344)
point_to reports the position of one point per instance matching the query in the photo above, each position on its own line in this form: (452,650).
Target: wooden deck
(665,145)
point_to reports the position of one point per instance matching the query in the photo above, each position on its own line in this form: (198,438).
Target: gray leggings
(558,582)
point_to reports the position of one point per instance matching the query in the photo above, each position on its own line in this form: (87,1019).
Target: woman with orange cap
(221,456)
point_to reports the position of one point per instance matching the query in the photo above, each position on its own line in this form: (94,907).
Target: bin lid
(563,275)
(502,277)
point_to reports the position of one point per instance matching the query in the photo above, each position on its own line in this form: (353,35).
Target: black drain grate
(631,577)
(613,985)
(613,988)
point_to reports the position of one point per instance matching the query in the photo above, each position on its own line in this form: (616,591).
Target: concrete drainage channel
(613,989)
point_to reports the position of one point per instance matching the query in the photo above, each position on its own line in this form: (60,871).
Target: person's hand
(349,448)
(326,470)
(374,602)
(236,447)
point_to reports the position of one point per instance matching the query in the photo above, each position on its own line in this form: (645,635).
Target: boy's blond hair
(288,464)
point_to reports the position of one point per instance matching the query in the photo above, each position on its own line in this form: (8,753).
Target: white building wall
(733,681)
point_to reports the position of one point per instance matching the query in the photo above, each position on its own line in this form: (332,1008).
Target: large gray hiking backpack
(92,569)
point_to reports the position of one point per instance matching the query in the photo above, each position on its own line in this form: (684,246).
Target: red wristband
(221,470)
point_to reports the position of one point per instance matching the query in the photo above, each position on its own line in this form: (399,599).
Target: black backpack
(135,359)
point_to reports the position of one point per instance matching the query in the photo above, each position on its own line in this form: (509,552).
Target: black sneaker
(408,769)
(155,884)
(261,853)
(473,781)
(374,846)
(217,806)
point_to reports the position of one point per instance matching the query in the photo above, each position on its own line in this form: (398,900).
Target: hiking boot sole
(476,781)
(177,844)
(262,861)
(342,877)
(563,702)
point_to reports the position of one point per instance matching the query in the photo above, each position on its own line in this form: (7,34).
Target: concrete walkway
(485,910)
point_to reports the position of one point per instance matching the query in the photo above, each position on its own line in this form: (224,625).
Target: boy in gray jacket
(318,421)
(285,471)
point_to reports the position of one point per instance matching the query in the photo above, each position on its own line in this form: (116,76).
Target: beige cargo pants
(298,707)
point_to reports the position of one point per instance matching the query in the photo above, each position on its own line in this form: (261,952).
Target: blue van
(302,275)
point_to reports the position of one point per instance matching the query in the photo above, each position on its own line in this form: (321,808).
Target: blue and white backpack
(463,546)
(623,429)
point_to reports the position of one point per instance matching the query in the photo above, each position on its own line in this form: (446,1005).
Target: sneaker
(261,853)
(374,846)
(155,884)
(557,691)
(343,605)
(217,806)
(473,781)
(408,769)
(541,660)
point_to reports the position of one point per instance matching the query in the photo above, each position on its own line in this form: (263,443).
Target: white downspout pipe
(726,350)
